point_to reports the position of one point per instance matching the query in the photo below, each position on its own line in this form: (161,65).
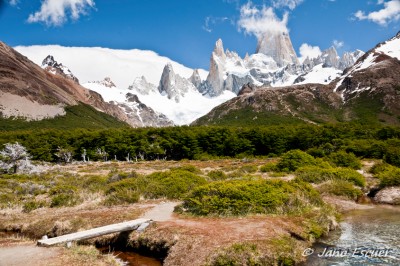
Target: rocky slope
(368,91)
(29,92)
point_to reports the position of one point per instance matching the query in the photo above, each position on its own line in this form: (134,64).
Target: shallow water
(132,258)
(367,237)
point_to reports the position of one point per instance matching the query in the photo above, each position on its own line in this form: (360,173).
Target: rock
(215,79)
(389,195)
(52,66)
(141,86)
(330,58)
(196,79)
(173,85)
(278,46)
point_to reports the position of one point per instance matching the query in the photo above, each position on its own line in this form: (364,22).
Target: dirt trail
(161,212)
(28,254)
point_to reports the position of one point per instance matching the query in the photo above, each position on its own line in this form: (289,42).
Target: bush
(64,196)
(318,175)
(243,197)
(239,254)
(379,168)
(248,169)
(32,205)
(122,196)
(64,200)
(344,159)
(340,188)
(217,175)
(294,159)
(63,189)
(392,156)
(389,177)
(171,184)
(268,167)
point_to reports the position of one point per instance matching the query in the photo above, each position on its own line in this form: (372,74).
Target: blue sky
(186,30)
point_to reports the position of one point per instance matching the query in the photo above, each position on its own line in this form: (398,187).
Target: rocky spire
(196,79)
(215,77)
(278,46)
(330,58)
(173,85)
(167,81)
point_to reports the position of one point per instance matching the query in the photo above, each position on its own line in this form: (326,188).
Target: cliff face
(279,47)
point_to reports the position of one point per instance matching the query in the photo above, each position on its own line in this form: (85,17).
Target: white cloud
(257,21)
(389,13)
(291,4)
(210,21)
(13,2)
(56,12)
(338,44)
(309,51)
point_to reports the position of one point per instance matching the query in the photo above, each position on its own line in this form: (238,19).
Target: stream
(367,237)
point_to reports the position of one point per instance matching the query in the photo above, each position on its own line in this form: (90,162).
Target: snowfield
(190,107)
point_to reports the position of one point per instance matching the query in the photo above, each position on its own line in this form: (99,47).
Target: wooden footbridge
(139,225)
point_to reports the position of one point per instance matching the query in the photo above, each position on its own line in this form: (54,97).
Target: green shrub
(313,174)
(33,205)
(239,254)
(188,168)
(243,197)
(64,200)
(171,184)
(294,159)
(379,168)
(217,175)
(122,196)
(340,188)
(63,189)
(389,177)
(392,156)
(268,167)
(248,169)
(344,159)
(95,183)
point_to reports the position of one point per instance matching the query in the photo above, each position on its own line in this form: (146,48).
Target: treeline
(176,143)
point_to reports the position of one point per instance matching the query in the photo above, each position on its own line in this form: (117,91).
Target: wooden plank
(95,232)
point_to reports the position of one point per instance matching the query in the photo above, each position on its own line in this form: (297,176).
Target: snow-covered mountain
(367,91)
(182,108)
(275,64)
(95,63)
(52,66)
(179,94)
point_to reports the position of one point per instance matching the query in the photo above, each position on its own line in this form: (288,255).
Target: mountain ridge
(367,92)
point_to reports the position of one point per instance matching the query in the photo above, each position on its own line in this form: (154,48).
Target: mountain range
(368,91)
(144,89)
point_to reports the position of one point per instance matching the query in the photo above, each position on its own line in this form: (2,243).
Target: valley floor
(184,237)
